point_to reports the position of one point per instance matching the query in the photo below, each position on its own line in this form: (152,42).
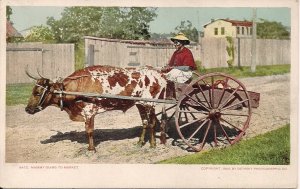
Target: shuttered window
(222,31)
(216,31)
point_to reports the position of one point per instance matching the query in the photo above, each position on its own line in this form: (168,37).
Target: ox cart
(213,109)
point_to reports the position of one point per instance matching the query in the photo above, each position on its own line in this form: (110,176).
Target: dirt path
(50,137)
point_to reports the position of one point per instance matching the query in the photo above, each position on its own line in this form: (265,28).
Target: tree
(40,34)
(111,23)
(108,22)
(271,30)
(75,23)
(136,22)
(187,28)
(8,12)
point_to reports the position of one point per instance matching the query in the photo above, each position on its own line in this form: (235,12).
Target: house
(226,27)
(11,32)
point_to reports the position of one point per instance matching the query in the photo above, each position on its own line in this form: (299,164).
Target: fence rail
(52,60)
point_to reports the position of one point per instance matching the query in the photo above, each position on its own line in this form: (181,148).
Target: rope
(76,77)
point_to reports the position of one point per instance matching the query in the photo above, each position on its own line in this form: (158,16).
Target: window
(133,57)
(216,31)
(250,31)
(238,30)
(243,30)
(222,31)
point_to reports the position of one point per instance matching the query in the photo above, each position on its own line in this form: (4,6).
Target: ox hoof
(141,143)
(163,139)
(152,145)
(92,149)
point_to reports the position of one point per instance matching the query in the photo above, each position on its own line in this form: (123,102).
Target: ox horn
(27,73)
(38,71)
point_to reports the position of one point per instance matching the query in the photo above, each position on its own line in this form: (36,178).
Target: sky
(168,18)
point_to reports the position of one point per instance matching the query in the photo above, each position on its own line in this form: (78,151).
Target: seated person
(181,65)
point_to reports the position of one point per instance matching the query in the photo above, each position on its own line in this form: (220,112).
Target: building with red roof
(11,32)
(226,27)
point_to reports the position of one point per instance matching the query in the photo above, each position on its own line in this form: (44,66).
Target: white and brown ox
(143,82)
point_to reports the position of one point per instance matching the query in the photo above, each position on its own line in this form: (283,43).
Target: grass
(79,55)
(18,93)
(272,148)
(246,71)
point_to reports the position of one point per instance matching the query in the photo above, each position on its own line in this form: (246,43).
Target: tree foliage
(271,30)
(75,23)
(108,22)
(187,28)
(136,22)
(41,34)
(8,12)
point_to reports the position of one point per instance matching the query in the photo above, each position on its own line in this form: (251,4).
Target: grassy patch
(18,93)
(272,148)
(246,71)
(79,55)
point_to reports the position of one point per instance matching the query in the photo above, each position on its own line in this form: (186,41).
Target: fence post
(239,52)
(253,47)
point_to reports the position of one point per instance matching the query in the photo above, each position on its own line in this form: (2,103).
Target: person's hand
(166,69)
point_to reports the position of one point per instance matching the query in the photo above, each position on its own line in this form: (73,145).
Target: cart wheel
(214,109)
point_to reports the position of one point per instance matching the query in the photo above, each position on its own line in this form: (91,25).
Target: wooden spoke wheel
(214,110)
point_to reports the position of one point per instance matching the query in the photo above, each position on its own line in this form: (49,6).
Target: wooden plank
(212,53)
(47,62)
(97,95)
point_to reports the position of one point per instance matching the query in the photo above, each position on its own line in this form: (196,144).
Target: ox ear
(47,81)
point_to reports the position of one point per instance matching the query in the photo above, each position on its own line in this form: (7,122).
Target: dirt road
(50,137)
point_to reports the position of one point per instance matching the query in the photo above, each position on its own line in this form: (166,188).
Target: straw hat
(181,38)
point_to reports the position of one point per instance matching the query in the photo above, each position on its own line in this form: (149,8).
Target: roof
(160,42)
(234,22)
(239,23)
(136,42)
(11,31)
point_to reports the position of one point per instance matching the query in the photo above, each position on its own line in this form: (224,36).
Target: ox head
(41,94)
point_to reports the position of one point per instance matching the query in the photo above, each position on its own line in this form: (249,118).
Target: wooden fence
(130,53)
(268,52)
(52,61)
(211,52)
(58,60)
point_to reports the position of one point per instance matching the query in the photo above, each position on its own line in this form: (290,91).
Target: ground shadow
(177,141)
(100,135)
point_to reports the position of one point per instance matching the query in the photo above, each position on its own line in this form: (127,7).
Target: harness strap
(42,99)
(61,104)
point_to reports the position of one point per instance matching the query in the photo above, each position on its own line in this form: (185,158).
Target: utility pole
(198,26)
(253,46)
